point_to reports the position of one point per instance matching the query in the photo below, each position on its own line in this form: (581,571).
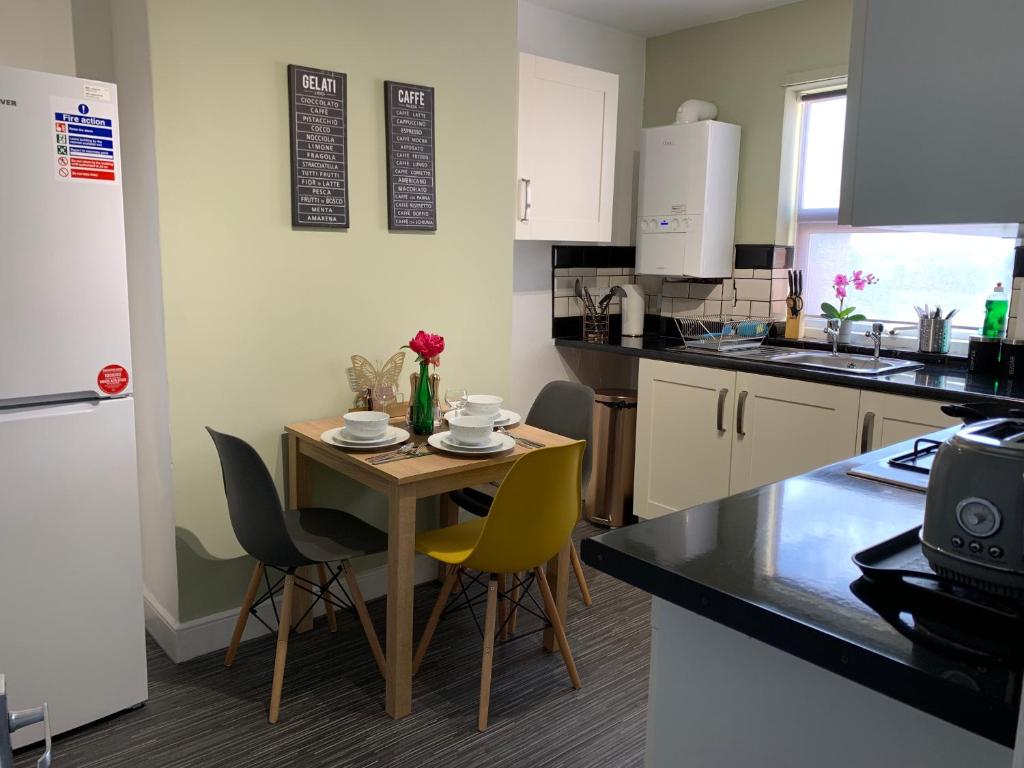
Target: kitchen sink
(860,365)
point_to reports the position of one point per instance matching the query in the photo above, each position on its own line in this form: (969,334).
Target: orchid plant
(841,284)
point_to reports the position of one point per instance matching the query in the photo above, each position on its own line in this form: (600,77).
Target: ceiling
(658,17)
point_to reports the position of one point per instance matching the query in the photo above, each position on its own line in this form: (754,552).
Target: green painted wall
(743,65)
(260,319)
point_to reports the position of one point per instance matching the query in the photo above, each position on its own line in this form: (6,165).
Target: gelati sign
(319,135)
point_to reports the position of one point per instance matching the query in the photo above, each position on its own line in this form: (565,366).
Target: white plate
(500,444)
(345,436)
(394,436)
(504,419)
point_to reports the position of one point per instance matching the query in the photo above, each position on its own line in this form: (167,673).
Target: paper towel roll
(633,311)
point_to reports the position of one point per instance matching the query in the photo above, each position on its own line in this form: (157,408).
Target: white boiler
(687,205)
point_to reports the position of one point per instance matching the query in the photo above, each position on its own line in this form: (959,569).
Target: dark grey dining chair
(285,541)
(567,409)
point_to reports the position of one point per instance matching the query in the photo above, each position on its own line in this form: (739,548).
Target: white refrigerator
(71,612)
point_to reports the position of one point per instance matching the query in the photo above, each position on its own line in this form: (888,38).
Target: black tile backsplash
(598,256)
(764,256)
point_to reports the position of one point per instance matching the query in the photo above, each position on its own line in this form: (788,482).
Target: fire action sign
(83,140)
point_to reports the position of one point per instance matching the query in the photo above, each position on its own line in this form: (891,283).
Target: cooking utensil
(800,282)
(972,412)
(791,275)
(951,313)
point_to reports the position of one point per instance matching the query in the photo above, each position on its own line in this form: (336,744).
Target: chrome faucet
(875,334)
(832,331)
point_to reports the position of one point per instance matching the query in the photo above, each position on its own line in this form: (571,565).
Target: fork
(383,458)
(524,442)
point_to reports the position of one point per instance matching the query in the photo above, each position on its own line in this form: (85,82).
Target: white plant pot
(846,332)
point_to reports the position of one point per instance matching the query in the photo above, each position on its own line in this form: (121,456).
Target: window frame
(900,334)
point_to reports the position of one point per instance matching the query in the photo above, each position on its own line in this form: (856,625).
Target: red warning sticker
(112,379)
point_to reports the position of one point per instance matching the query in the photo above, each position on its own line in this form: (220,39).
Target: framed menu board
(412,194)
(317,100)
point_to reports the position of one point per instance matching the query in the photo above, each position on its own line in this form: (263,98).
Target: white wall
(36,34)
(535,360)
(145,295)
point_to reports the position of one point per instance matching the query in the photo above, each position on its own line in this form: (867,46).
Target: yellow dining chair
(530,520)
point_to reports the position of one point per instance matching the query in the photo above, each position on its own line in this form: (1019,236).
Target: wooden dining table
(403,483)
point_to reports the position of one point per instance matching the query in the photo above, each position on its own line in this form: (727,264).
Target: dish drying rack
(723,333)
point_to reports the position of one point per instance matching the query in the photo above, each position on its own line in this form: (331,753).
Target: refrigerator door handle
(60,408)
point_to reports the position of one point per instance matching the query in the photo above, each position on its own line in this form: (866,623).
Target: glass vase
(421,408)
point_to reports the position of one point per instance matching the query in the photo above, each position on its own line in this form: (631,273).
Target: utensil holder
(933,335)
(595,326)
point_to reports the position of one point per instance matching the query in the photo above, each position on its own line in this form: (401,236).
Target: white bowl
(483,405)
(471,430)
(366,424)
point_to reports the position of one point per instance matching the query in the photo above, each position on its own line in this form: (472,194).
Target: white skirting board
(187,640)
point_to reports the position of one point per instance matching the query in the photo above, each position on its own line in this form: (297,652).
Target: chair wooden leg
(517,595)
(332,622)
(504,606)
(283,629)
(490,619)
(577,566)
(559,628)
(364,615)
(435,617)
(243,614)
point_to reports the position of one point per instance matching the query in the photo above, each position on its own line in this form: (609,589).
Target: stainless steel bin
(609,495)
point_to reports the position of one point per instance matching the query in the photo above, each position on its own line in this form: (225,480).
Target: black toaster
(973,529)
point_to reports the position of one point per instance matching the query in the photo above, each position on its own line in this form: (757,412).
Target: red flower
(428,346)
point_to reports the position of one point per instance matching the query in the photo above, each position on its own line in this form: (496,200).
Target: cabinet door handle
(865,432)
(741,407)
(527,203)
(721,408)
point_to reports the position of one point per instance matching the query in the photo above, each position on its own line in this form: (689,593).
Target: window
(955,268)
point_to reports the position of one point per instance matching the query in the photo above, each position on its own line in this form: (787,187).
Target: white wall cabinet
(889,419)
(786,427)
(705,433)
(683,436)
(934,108)
(566,151)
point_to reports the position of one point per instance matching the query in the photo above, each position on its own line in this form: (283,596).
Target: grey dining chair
(285,541)
(567,409)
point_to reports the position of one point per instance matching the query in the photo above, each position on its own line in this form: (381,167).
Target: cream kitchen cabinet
(888,419)
(704,433)
(566,151)
(683,436)
(786,427)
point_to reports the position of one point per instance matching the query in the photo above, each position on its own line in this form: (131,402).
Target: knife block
(794,324)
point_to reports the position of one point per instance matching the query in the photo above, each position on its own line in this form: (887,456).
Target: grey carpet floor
(201,714)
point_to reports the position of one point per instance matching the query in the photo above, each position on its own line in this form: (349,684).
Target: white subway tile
(779,310)
(702,290)
(712,307)
(575,310)
(760,309)
(740,307)
(759,290)
(627,271)
(676,290)
(780,288)
(562,307)
(763,274)
(743,273)
(583,272)
(564,286)
(601,281)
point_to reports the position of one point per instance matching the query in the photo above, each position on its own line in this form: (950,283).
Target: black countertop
(946,380)
(775,564)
